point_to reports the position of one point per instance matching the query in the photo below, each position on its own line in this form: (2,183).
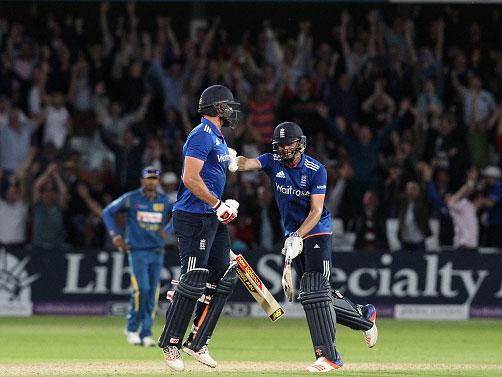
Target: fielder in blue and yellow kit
(199,219)
(299,186)
(147,213)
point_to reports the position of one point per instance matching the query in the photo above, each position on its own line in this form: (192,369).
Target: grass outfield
(83,346)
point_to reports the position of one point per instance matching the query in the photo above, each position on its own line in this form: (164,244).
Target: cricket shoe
(201,355)
(133,338)
(323,365)
(147,341)
(371,335)
(173,358)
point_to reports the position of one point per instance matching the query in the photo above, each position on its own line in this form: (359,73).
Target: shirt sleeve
(109,212)
(266,161)
(199,146)
(318,184)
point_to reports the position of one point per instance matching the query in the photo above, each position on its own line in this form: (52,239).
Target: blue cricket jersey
(205,143)
(145,219)
(292,188)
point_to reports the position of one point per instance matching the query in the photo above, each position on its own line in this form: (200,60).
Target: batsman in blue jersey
(299,186)
(147,213)
(199,219)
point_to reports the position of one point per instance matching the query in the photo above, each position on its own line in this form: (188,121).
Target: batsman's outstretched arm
(245,164)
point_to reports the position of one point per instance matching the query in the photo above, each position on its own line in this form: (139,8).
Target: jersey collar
(143,194)
(300,164)
(213,127)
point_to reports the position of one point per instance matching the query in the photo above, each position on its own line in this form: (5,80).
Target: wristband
(217,205)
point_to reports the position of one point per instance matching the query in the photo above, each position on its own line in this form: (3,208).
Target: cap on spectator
(169,178)
(150,172)
(492,172)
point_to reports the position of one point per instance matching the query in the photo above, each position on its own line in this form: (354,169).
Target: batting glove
(293,246)
(232,166)
(226,211)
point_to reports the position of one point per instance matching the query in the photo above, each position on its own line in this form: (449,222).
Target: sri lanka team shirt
(292,189)
(205,143)
(145,219)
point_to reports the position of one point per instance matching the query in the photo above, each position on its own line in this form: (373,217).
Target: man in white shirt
(15,139)
(57,122)
(463,211)
(13,216)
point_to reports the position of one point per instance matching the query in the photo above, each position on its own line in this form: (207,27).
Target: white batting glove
(293,246)
(232,166)
(226,211)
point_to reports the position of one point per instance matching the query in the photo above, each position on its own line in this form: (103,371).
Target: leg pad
(209,310)
(317,301)
(349,314)
(187,292)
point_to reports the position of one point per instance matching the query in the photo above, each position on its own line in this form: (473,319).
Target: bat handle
(232,255)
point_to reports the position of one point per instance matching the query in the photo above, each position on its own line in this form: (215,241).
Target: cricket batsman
(199,219)
(299,186)
(147,213)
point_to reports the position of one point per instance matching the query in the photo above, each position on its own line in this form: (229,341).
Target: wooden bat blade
(257,289)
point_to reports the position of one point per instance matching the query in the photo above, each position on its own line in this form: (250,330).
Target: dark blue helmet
(218,100)
(286,133)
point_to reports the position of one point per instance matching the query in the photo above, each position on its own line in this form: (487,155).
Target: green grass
(100,339)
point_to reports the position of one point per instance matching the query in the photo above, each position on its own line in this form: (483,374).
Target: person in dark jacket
(413,218)
(369,225)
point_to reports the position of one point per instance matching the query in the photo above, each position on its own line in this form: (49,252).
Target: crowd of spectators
(404,111)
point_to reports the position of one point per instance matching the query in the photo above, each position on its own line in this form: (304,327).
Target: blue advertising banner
(449,285)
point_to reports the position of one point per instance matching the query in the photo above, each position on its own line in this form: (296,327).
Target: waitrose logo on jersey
(289,190)
(223,157)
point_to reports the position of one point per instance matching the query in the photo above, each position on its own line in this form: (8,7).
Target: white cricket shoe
(173,358)
(371,335)
(133,338)
(202,356)
(323,365)
(148,341)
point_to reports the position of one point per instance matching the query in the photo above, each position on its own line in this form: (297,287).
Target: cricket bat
(256,288)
